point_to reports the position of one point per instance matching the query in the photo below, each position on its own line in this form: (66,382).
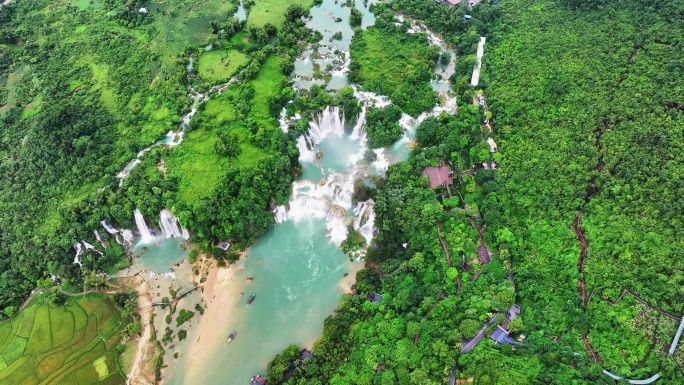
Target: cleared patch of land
(219,66)
(69,344)
(272,11)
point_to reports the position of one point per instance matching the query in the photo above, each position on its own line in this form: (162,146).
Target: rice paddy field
(69,344)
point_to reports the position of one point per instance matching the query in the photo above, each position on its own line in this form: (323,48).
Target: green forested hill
(81,95)
(588,107)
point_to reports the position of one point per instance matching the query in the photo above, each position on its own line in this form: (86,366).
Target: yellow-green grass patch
(40,340)
(62,324)
(14,349)
(198,164)
(101,367)
(26,324)
(14,366)
(241,38)
(265,84)
(272,11)
(52,362)
(220,109)
(107,321)
(108,95)
(219,66)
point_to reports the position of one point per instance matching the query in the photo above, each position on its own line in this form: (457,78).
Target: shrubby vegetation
(382,126)
(388,61)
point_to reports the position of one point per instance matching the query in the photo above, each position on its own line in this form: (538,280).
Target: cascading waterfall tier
(170,227)
(364,219)
(145,233)
(330,199)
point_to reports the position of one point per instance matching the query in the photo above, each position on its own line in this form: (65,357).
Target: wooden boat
(257,379)
(231,336)
(251,298)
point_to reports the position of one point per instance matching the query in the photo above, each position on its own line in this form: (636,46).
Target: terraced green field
(69,344)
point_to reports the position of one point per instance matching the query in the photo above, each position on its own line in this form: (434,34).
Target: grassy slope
(219,66)
(62,342)
(196,162)
(272,11)
(582,83)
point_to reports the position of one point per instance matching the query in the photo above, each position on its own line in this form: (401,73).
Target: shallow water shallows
(296,271)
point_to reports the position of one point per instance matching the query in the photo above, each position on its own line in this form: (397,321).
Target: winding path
(444,246)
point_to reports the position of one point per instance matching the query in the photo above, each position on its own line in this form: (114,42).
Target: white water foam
(145,233)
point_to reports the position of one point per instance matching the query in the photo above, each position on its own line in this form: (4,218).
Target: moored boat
(251,298)
(231,337)
(257,379)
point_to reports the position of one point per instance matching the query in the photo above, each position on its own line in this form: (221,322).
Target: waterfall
(79,251)
(88,246)
(123,174)
(341,188)
(492,145)
(280,214)
(283,120)
(370,98)
(329,121)
(360,126)
(145,234)
(127,236)
(381,162)
(108,227)
(364,219)
(305,154)
(168,224)
(170,228)
(99,239)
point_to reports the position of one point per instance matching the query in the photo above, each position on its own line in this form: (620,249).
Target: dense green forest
(592,97)
(583,210)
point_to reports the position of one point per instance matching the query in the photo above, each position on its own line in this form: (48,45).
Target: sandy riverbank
(142,368)
(348,282)
(220,296)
